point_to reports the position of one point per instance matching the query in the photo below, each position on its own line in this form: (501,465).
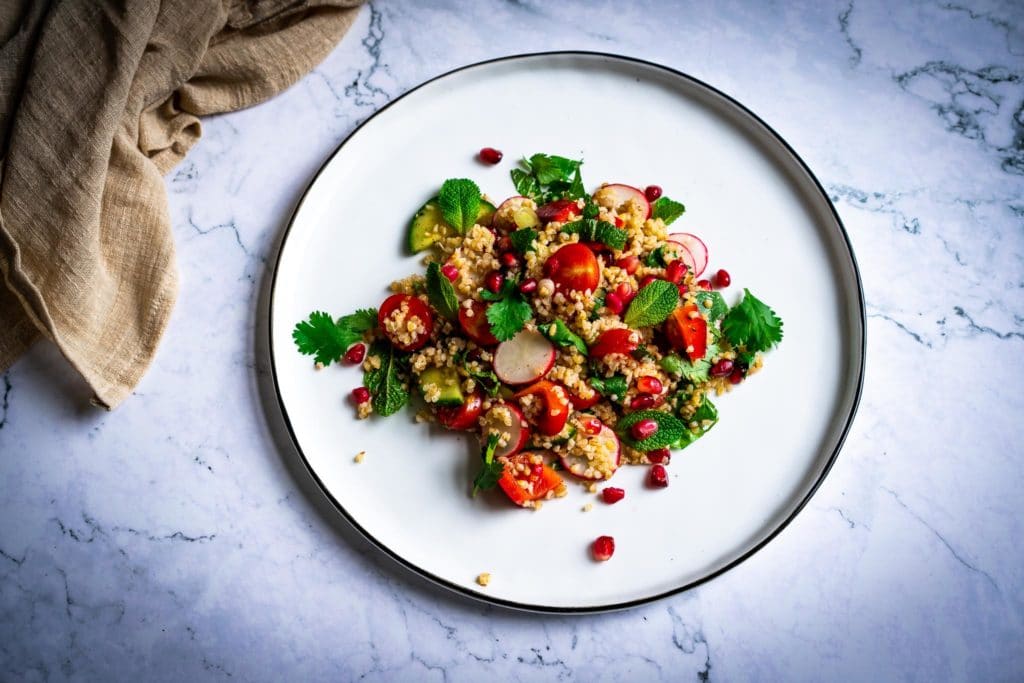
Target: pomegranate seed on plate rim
(658,476)
(361,395)
(612,495)
(603,548)
(652,192)
(489,155)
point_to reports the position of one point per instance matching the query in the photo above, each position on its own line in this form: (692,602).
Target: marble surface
(173,539)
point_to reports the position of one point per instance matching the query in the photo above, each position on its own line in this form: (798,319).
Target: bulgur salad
(571,331)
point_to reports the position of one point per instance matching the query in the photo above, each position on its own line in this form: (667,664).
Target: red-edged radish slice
(616,195)
(524,358)
(599,466)
(683,254)
(696,247)
(515,213)
(517,429)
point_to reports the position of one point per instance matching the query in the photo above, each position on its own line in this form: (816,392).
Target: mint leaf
(667,210)
(326,340)
(523,239)
(591,209)
(716,309)
(508,315)
(612,387)
(560,333)
(593,230)
(670,429)
(459,200)
(652,304)
(385,383)
(491,470)
(751,323)
(441,292)
(525,183)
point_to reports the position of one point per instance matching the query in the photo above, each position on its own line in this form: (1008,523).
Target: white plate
(764,217)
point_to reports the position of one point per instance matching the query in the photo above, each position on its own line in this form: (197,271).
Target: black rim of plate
(629,603)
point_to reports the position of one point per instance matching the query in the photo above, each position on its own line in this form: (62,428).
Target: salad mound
(570,330)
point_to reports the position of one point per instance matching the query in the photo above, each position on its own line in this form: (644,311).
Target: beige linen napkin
(98,99)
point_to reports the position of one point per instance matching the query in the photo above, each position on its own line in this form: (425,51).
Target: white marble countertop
(173,540)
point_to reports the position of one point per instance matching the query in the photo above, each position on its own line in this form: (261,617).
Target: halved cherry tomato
(688,333)
(621,340)
(573,267)
(462,417)
(559,210)
(539,478)
(554,406)
(582,403)
(476,325)
(417,309)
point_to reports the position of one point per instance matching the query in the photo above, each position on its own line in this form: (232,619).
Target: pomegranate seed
(648,385)
(612,495)
(704,284)
(652,192)
(361,395)
(537,469)
(450,272)
(509,260)
(592,425)
(355,353)
(659,456)
(658,476)
(503,243)
(648,279)
(494,281)
(736,377)
(675,271)
(625,292)
(628,263)
(618,222)
(722,368)
(603,548)
(614,303)
(683,289)
(640,402)
(528,285)
(722,278)
(489,155)
(644,429)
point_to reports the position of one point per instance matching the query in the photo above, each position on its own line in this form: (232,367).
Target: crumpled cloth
(98,100)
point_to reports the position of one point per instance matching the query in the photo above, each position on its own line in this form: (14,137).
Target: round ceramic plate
(763,216)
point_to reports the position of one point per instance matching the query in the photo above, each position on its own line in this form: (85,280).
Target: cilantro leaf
(523,239)
(652,304)
(656,259)
(667,210)
(492,469)
(576,190)
(546,177)
(698,371)
(670,429)
(508,314)
(326,340)
(671,364)
(706,412)
(385,383)
(716,309)
(525,183)
(459,200)
(751,323)
(560,333)
(549,168)
(593,230)
(612,387)
(441,292)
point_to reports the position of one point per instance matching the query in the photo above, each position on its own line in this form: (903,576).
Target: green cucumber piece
(428,225)
(447,380)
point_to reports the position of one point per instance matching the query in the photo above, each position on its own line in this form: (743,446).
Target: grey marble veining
(173,540)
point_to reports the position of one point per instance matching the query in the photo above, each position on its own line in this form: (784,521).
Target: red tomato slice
(574,267)
(688,333)
(462,417)
(554,406)
(580,403)
(476,325)
(539,478)
(559,210)
(621,340)
(416,309)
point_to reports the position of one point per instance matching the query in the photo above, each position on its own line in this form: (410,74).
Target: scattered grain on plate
(484,578)
(318,365)
(359,456)
(588,507)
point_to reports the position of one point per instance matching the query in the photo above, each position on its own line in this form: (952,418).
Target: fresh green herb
(667,210)
(509,311)
(599,297)
(492,469)
(386,383)
(546,177)
(550,168)
(525,183)
(591,209)
(485,378)
(593,230)
(560,333)
(745,359)
(614,386)
(752,324)
(326,340)
(672,364)
(670,429)
(706,412)
(716,310)
(576,190)
(459,200)
(696,372)
(652,304)
(441,292)
(523,239)
(656,259)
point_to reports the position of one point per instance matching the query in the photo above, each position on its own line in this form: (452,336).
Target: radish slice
(524,358)
(696,247)
(615,195)
(598,466)
(518,430)
(515,213)
(684,255)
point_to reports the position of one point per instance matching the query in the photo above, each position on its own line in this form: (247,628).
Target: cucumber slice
(447,380)
(428,225)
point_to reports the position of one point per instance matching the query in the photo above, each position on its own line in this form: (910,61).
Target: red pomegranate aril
(528,285)
(494,281)
(722,278)
(736,377)
(659,456)
(644,429)
(612,495)
(628,263)
(618,222)
(625,292)
(614,303)
(641,402)
(450,272)
(722,368)
(355,353)
(704,284)
(509,260)
(683,289)
(489,155)
(603,548)
(649,385)
(658,476)
(592,425)
(360,395)
(648,279)
(675,271)
(503,243)
(652,192)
